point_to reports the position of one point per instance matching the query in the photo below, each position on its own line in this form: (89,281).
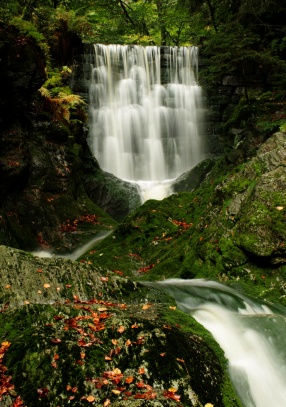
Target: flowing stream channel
(251,333)
(146,114)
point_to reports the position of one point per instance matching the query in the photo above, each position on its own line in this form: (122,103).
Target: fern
(45,92)
(62,104)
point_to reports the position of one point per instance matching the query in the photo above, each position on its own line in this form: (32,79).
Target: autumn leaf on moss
(43,392)
(171,395)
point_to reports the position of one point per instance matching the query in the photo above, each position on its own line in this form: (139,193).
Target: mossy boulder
(78,334)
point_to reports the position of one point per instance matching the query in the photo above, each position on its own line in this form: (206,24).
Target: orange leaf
(121,329)
(129,379)
(117,392)
(141,370)
(114,341)
(134,326)
(146,306)
(106,403)
(180,360)
(90,399)
(128,342)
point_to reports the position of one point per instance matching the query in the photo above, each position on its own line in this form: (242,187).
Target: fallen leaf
(128,342)
(104,279)
(106,403)
(141,370)
(147,306)
(162,354)
(117,392)
(171,395)
(134,326)
(114,341)
(172,389)
(209,405)
(129,379)
(68,285)
(90,399)
(107,358)
(47,285)
(180,360)
(8,286)
(102,309)
(39,292)
(42,392)
(173,308)
(56,340)
(121,329)
(279,208)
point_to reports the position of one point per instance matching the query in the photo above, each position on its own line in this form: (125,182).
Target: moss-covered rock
(79,335)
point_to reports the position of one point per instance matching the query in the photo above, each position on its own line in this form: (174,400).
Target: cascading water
(252,335)
(145,120)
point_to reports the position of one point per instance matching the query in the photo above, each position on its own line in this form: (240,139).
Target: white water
(142,129)
(252,335)
(74,254)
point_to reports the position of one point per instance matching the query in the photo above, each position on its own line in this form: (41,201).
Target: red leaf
(140,384)
(42,392)
(171,395)
(58,317)
(56,340)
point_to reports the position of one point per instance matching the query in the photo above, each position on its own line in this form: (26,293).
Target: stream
(250,332)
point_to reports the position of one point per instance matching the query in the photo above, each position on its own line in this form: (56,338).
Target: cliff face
(53,193)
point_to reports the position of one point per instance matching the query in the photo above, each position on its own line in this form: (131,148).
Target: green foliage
(8,9)
(30,30)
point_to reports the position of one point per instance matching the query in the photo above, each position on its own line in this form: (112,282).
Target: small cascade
(145,113)
(251,333)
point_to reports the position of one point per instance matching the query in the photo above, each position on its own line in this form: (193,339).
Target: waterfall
(251,333)
(145,114)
